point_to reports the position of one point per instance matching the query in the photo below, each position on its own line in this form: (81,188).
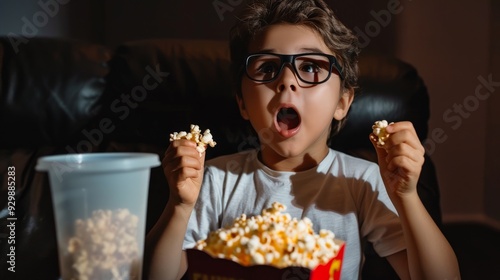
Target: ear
(344,104)
(241,106)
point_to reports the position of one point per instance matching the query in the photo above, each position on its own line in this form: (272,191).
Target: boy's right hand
(183,168)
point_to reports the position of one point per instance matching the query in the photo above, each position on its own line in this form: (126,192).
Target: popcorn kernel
(379,130)
(104,245)
(272,238)
(195,135)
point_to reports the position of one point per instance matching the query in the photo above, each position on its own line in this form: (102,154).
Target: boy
(296,72)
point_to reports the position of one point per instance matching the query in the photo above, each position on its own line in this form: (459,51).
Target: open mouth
(287,119)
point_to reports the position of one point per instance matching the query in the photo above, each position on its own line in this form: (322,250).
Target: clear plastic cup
(100,204)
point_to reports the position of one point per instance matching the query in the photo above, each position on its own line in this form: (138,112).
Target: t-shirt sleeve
(207,210)
(380,222)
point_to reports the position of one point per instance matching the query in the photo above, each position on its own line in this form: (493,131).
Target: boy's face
(292,117)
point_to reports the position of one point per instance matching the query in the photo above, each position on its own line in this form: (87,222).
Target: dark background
(452,43)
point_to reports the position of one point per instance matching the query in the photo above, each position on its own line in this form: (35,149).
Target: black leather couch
(65,96)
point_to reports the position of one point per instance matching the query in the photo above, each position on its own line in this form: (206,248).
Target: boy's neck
(296,164)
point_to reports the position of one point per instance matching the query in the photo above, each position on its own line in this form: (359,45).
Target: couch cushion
(50,89)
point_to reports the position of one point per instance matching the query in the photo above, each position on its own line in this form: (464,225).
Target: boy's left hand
(400,159)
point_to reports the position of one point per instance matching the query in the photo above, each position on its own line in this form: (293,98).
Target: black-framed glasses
(310,68)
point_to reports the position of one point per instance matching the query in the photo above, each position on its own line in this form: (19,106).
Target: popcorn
(105,246)
(201,140)
(272,238)
(380,132)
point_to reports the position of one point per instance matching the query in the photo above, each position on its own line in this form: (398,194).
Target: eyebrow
(312,50)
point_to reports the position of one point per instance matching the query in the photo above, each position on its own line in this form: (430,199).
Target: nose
(287,79)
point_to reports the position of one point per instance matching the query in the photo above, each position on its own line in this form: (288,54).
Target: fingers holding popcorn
(184,161)
(403,140)
(400,157)
(182,157)
(183,169)
(396,133)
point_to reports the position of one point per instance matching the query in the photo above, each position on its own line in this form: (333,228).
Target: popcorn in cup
(100,204)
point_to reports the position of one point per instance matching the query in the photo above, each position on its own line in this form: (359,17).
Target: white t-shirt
(343,194)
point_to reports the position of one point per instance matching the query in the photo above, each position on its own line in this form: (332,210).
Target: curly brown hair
(315,14)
